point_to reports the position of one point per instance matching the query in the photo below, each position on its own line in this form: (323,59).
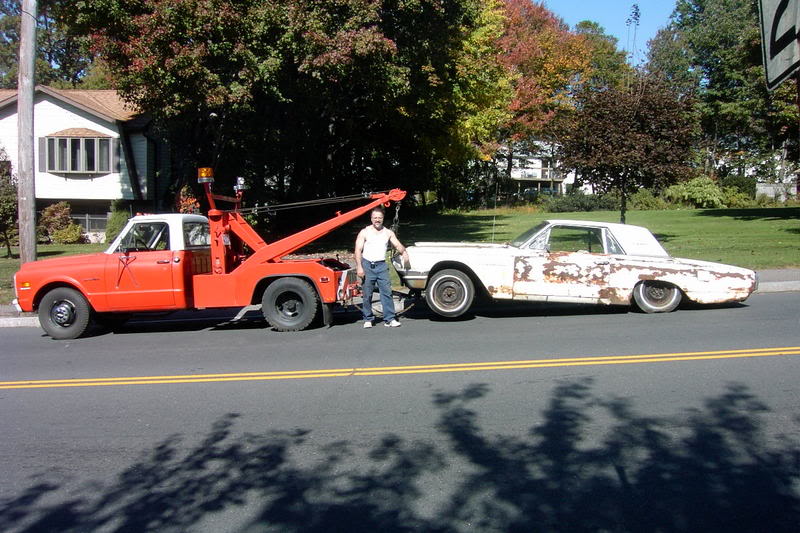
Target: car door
(139,274)
(566,262)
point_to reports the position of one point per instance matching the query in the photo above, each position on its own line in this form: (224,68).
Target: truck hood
(57,263)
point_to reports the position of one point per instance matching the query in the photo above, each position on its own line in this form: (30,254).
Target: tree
(62,57)
(607,66)
(546,57)
(712,48)
(8,202)
(546,60)
(304,98)
(621,139)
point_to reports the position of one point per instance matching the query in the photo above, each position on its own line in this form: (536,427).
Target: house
(532,174)
(90,149)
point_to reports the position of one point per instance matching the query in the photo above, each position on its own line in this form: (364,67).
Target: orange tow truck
(172,262)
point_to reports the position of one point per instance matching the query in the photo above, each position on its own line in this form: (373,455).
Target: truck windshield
(525,237)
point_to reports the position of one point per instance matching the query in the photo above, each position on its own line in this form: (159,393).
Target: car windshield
(525,237)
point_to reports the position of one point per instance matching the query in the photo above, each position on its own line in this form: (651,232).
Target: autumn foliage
(546,59)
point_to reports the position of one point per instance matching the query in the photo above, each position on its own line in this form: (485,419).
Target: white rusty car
(569,261)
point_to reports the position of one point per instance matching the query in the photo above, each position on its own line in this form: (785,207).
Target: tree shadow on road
(710,469)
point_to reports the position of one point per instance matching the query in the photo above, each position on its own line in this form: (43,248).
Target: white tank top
(375,243)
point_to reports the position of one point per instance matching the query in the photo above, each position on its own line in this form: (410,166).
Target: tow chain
(396,221)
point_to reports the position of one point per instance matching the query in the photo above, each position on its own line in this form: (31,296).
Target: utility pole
(26,191)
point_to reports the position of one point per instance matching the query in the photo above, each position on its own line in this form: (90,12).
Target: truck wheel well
(480,289)
(50,286)
(262,285)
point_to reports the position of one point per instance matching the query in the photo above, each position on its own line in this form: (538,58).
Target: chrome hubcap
(63,313)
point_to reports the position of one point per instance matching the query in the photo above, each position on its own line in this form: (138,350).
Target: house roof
(103,103)
(77,132)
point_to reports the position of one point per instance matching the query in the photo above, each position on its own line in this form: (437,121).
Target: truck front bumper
(15,303)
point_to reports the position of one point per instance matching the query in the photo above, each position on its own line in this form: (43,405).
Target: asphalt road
(527,417)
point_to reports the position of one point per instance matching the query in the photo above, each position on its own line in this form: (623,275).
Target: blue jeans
(377,273)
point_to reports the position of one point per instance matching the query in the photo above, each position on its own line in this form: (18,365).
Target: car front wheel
(64,313)
(656,296)
(450,293)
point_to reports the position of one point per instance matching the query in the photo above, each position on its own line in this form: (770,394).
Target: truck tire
(289,304)
(64,313)
(450,293)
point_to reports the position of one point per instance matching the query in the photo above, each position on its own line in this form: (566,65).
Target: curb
(28,320)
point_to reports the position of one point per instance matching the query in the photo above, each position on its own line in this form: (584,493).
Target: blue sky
(612,14)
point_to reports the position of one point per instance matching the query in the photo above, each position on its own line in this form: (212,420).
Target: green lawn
(752,238)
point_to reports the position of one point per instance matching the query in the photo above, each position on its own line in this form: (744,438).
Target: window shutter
(115,155)
(42,154)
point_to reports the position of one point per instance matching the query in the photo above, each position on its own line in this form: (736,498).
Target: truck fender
(263,283)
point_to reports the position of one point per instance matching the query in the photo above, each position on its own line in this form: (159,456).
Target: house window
(79,155)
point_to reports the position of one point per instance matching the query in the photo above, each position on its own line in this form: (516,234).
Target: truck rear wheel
(289,304)
(64,313)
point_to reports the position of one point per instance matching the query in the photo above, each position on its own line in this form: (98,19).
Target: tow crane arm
(224,223)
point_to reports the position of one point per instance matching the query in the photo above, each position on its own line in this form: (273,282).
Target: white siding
(52,116)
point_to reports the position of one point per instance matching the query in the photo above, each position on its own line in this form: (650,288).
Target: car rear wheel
(656,296)
(64,313)
(450,293)
(289,304)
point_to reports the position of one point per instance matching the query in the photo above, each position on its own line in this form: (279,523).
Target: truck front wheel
(289,304)
(64,313)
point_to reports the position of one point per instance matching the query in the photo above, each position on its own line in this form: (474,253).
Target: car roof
(635,240)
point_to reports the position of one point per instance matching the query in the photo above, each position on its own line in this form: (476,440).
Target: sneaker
(392,324)
(367,325)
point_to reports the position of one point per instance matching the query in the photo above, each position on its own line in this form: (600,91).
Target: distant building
(90,148)
(533,175)
(778,191)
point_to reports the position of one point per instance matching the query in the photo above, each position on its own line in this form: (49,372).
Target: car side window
(612,245)
(576,239)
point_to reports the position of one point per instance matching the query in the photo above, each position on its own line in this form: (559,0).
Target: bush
(645,200)
(72,234)
(734,197)
(53,218)
(697,192)
(744,184)
(576,200)
(117,220)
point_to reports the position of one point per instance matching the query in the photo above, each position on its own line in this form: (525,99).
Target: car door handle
(162,262)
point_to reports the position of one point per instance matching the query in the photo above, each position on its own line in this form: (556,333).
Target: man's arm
(359,248)
(399,247)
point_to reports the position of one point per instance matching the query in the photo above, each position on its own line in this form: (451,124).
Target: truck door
(139,274)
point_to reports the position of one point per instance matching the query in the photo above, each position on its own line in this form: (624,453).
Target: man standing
(371,245)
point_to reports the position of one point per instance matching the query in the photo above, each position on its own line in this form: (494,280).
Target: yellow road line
(399,370)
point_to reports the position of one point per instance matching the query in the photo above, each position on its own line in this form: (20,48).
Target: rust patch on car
(614,296)
(499,290)
(522,269)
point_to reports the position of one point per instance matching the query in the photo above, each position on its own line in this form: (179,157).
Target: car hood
(460,245)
